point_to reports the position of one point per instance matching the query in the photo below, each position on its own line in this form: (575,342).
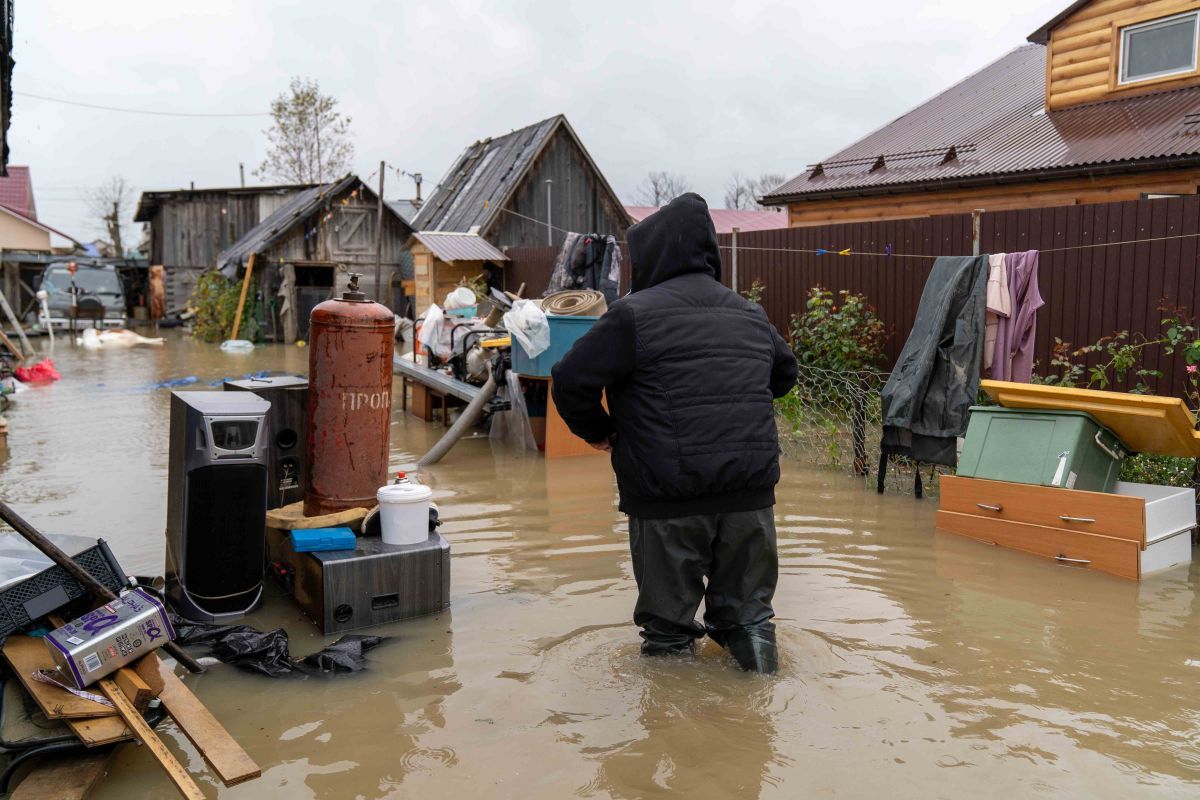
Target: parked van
(88,287)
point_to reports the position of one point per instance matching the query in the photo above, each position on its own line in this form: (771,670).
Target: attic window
(1158,49)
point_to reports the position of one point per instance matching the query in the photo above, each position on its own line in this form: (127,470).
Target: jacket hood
(677,239)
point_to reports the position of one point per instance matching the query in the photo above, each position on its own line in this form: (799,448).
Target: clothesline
(849,252)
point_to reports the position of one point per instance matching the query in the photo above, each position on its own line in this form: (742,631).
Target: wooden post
(379,241)
(237,319)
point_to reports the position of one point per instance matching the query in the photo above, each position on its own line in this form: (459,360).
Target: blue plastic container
(564,332)
(312,540)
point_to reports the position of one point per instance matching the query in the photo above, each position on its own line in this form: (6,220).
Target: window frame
(1120,33)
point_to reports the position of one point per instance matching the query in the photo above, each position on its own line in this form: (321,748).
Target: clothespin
(887,249)
(845,252)
(821,251)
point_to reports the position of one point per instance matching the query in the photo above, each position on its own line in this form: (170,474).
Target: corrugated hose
(575,303)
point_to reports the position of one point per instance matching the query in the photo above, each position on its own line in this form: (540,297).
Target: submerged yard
(914,664)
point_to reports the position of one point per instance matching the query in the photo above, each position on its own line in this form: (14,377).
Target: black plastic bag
(268,651)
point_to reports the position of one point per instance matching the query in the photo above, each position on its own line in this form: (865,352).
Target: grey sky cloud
(699,88)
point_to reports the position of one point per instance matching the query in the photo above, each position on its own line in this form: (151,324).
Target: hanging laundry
(587,261)
(1015,335)
(999,304)
(936,379)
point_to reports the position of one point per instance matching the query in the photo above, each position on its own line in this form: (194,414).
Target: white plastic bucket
(404,513)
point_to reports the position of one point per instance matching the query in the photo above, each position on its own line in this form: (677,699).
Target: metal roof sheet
(451,246)
(994,123)
(473,190)
(16,191)
(726,219)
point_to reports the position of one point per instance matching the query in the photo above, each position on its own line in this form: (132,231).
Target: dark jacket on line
(689,370)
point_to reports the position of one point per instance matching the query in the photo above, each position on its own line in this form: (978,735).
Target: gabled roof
(294,211)
(149,202)
(483,179)
(726,219)
(452,246)
(992,127)
(12,212)
(16,191)
(1042,34)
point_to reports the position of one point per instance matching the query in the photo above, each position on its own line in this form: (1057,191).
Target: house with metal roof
(305,250)
(523,189)
(1102,104)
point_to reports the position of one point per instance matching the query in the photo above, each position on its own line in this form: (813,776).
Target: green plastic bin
(1068,449)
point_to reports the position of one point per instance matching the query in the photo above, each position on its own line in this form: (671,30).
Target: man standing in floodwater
(689,370)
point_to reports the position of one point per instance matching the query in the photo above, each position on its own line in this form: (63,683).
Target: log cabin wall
(1082,53)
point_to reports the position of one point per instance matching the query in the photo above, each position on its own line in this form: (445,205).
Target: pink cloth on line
(999,304)
(1015,335)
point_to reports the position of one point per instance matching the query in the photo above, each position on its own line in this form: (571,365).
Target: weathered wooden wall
(577,202)
(1082,52)
(1092,289)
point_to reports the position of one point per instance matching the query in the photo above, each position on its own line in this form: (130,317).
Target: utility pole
(733,278)
(379,240)
(549,214)
(242,170)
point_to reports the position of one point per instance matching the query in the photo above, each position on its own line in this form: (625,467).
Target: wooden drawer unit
(1114,515)
(1140,529)
(1115,556)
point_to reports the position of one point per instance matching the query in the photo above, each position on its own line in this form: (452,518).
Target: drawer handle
(1064,560)
(987,507)
(1069,518)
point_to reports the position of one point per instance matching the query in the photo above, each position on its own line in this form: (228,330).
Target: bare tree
(309,139)
(739,193)
(743,192)
(764,184)
(660,188)
(110,203)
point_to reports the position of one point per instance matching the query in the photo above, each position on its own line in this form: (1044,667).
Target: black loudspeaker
(286,433)
(216,504)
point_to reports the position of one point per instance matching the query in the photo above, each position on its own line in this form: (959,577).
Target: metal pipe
(733,277)
(85,579)
(549,215)
(468,418)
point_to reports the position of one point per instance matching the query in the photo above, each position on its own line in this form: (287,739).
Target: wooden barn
(305,250)
(523,189)
(189,228)
(1101,105)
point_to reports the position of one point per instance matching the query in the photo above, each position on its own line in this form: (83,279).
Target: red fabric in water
(41,372)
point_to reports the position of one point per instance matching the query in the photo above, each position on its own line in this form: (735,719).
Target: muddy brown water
(915,664)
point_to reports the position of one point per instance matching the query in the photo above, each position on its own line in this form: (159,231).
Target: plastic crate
(1068,449)
(25,603)
(564,332)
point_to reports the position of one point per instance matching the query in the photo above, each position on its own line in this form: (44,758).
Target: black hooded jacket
(688,369)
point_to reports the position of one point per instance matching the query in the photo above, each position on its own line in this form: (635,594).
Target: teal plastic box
(316,540)
(564,332)
(1067,449)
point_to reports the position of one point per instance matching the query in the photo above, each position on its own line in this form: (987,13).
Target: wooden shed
(306,249)
(442,261)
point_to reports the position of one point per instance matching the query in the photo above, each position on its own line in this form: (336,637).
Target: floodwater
(915,664)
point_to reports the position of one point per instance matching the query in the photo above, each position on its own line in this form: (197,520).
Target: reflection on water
(916,664)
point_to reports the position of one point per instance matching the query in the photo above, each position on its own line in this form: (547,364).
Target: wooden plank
(100,731)
(1118,557)
(176,772)
(64,778)
(1075,69)
(237,318)
(147,669)
(27,655)
(133,687)
(1061,58)
(1119,516)
(221,751)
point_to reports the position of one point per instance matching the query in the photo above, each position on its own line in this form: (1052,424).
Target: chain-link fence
(833,421)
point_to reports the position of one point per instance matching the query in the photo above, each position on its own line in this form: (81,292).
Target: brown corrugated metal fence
(1089,291)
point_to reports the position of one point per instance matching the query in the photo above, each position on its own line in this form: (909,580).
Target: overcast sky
(703,89)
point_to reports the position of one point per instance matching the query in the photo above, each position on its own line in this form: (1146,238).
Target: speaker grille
(224,548)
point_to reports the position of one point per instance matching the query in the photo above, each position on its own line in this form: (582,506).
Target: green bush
(841,337)
(215,300)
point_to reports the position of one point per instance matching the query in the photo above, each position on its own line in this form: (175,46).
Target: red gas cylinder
(349,402)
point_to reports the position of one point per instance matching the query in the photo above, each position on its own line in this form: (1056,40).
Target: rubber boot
(753,648)
(652,647)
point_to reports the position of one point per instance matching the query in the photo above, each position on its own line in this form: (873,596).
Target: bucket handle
(1115,455)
